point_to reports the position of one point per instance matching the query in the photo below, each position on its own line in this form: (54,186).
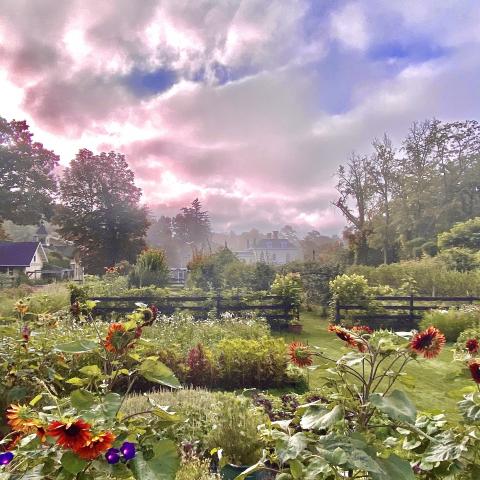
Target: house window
(274,257)
(288,257)
(34,258)
(10,270)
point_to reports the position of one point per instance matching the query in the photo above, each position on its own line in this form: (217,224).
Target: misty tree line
(397,199)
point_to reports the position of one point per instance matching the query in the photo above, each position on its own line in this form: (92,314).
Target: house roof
(17,254)
(275,243)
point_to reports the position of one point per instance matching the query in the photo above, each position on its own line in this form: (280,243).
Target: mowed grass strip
(434,385)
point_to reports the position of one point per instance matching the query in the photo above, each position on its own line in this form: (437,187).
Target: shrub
(351,289)
(196,469)
(258,363)
(235,431)
(151,269)
(200,366)
(288,286)
(459,258)
(452,322)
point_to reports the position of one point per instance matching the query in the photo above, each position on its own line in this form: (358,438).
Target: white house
(272,250)
(22,257)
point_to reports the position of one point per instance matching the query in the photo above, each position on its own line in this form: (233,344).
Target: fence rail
(278,310)
(408,314)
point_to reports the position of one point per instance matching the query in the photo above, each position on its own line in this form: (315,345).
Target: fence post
(411,308)
(337,312)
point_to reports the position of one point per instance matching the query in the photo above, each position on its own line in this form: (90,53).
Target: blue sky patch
(150,83)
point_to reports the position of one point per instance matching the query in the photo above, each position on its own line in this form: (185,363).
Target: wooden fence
(278,310)
(400,316)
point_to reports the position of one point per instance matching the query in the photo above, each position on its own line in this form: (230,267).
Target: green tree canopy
(27,180)
(100,210)
(463,234)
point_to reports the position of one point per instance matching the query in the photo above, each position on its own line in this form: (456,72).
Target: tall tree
(27,180)
(100,210)
(383,176)
(192,225)
(354,187)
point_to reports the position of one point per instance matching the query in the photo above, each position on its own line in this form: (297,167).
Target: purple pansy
(128,450)
(113,456)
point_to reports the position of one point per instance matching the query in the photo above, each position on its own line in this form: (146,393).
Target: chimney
(275,234)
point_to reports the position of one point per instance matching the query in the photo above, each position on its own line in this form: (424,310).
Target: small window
(274,257)
(34,258)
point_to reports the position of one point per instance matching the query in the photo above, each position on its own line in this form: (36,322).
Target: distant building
(272,250)
(22,257)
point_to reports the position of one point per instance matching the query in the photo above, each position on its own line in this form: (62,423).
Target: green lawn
(434,385)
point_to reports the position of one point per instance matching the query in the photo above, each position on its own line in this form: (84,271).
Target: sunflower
(118,339)
(96,446)
(72,435)
(474,366)
(472,345)
(21,307)
(20,418)
(343,334)
(361,329)
(300,354)
(150,314)
(428,343)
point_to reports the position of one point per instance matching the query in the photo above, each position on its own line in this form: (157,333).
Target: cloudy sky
(250,105)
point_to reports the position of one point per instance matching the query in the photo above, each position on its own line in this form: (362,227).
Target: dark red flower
(472,345)
(72,435)
(474,366)
(343,334)
(300,354)
(26,333)
(428,343)
(96,446)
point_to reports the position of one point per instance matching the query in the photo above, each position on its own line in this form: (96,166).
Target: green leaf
(79,382)
(394,467)
(288,448)
(157,372)
(319,418)
(35,400)
(296,468)
(82,400)
(72,463)
(396,405)
(111,404)
(162,466)
(91,371)
(78,346)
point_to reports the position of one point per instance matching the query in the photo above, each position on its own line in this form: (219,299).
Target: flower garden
(147,396)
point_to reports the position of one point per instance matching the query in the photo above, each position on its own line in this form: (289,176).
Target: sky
(249,105)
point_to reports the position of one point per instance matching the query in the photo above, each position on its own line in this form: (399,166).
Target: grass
(434,385)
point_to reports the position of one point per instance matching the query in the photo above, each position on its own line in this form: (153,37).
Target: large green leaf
(111,403)
(91,371)
(72,463)
(319,418)
(82,400)
(162,466)
(78,346)
(396,405)
(157,372)
(393,467)
(290,447)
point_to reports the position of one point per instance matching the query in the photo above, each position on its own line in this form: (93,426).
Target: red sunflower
(72,435)
(118,339)
(343,334)
(428,343)
(300,354)
(474,366)
(96,446)
(472,345)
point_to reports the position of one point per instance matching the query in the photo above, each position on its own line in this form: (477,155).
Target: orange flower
(343,334)
(96,446)
(361,329)
(20,418)
(474,366)
(118,339)
(428,343)
(72,435)
(300,354)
